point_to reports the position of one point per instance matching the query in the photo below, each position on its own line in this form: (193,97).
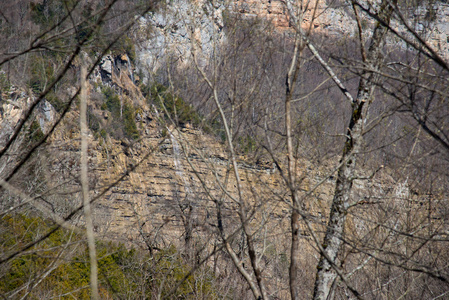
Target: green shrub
(103,133)
(18,230)
(35,133)
(179,111)
(122,273)
(92,121)
(5,85)
(54,100)
(46,12)
(123,117)
(247,144)
(173,270)
(125,45)
(129,122)
(41,73)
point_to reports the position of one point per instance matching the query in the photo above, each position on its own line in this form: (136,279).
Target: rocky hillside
(217,142)
(175,173)
(166,180)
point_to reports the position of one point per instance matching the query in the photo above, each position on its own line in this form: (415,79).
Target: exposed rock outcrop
(176,31)
(186,24)
(165,188)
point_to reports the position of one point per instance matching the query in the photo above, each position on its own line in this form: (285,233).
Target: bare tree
(322,173)
(61,32)
(336,241)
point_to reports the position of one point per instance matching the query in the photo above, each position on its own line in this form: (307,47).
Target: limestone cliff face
(189,24)
(167,187)
(181,27)
(174,178)
(170,174)
(16,102)
(11,110)
(179,179)
(165,190)
(274,11)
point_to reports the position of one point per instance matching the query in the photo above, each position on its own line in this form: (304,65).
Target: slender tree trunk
(295,218)
(295,252)
(85,187)
(326,274)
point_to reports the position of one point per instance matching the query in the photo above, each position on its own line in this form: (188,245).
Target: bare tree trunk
(85,187)
(326,273)
(295,252)
(295,249)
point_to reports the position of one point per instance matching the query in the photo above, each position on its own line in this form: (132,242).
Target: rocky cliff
(164,188)
(162,177)
(201,23)
(336,18)
(174,173)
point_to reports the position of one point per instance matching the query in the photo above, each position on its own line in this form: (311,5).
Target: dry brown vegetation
(291,164)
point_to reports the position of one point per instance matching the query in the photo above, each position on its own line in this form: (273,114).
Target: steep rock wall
(186,24)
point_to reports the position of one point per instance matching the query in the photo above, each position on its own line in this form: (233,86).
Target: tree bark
(295,218)
(85,187)
(326,273)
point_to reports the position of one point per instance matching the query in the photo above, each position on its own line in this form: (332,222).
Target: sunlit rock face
(177,31)
(11,110)
(16,103)
(166,186)
(187,26)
